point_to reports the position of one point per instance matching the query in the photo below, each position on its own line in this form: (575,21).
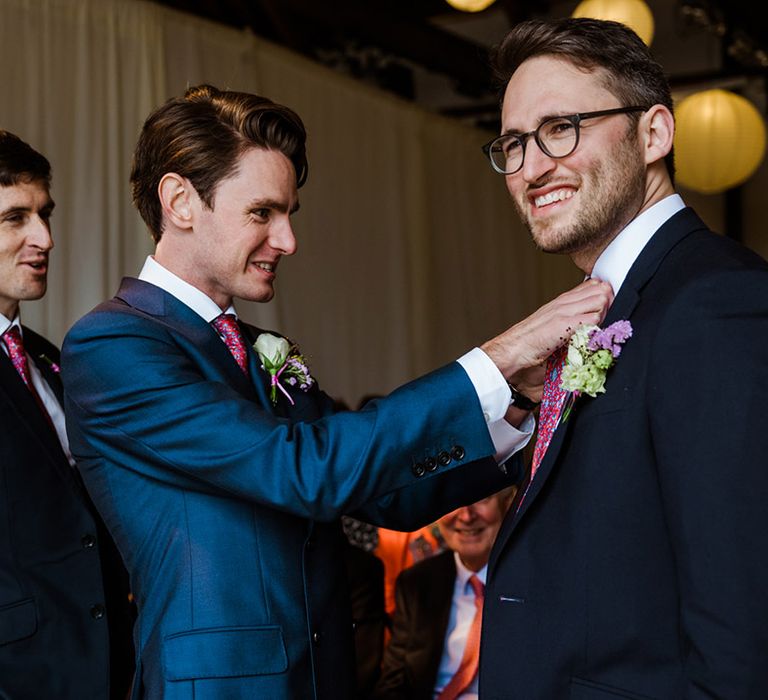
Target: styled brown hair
(201,136)
(629,72)
(19,162)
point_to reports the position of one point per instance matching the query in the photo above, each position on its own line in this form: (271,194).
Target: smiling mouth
(469,532)
(552,197)
(267,267)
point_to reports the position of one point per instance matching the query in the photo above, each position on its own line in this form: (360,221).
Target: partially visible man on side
(65,616)
(634,565)
(435,645)
(214,457)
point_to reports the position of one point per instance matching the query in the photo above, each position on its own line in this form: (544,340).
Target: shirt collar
(154,273)
(6,323)
(463,573)
(615,261)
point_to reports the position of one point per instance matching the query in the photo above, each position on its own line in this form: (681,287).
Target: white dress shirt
(460,620)
(615,261)
(491,388)
(51,403)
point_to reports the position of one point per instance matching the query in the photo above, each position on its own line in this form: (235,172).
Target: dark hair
(201,136)
(19,162)
(629,71)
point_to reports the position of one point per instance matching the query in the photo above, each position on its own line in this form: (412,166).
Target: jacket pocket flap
(582,689)
(17,621)
(224,652)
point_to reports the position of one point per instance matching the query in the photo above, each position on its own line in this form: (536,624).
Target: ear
(176,194)
(657,131)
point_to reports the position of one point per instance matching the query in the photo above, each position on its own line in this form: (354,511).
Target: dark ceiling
(381,41)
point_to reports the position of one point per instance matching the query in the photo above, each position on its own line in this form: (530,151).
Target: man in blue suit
(634,566)
(222,475)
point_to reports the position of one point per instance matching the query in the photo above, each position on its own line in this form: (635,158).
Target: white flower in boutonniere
(283,362)
(592,351)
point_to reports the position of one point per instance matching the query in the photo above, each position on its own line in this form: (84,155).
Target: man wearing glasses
(634,566)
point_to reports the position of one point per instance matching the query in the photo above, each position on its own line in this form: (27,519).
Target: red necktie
(471,658)
(551,403)
(227,327)
(15,345)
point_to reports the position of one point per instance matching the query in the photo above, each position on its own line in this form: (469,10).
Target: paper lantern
(470,5)
(633,13)
(719,140)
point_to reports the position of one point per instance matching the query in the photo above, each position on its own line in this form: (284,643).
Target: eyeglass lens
(556,137)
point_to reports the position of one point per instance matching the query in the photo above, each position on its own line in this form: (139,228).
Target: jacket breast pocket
(582,689)
(17,621)
(224,652)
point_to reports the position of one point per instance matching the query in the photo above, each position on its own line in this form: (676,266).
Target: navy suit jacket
(636,566)
(424,594)
(63,589)
(226,510)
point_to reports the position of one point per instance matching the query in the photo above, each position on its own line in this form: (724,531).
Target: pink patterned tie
(18,356)
(227,328)
(15,345)
(470,659)
(551,404)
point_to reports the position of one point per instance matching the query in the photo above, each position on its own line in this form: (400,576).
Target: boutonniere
(284,363)
(592,351)
(48,361)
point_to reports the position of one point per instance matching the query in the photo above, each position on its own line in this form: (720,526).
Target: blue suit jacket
(636,566)
(227,514)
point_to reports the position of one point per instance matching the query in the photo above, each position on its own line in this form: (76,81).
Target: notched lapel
(22,403)
(168,310)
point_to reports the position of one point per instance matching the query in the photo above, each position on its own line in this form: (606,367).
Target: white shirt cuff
(507,439)
(494,395)
(491,387)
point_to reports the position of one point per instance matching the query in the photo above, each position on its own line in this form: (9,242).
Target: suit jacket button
(310,543)
(444,459)
(87,541)
(316,638)
(430,463)
(457,452)
(418,469)
(97,611)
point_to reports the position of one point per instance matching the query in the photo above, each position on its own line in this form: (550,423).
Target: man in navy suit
(65,616)
(634,566)
(222,475)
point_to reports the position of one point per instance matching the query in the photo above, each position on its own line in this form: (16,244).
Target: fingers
(529,343)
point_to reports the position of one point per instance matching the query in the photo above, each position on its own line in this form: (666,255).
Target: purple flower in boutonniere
(283,362)
(592,351)
(48,361)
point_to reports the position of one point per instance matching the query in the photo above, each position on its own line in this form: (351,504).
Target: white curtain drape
(409,250)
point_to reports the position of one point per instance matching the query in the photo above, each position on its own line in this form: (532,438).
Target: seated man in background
(435,643)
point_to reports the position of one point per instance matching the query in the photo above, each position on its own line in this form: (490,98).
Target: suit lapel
(259,376)
(184,321)
(663,241)
(23,404)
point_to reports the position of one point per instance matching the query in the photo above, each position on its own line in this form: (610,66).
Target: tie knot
(228,328)
(477,586)
(15,345)
(12,338)
(226,324)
